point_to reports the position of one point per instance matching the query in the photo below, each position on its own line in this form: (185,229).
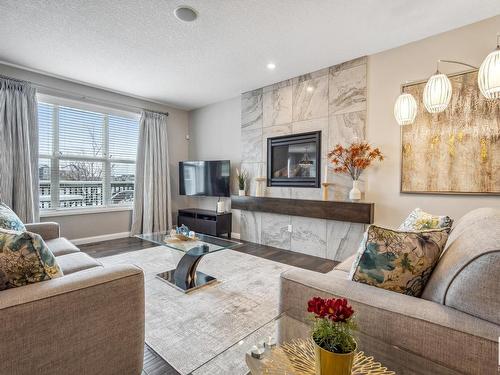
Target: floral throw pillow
(397,260)
(421,220)
(25,259)
(9,220)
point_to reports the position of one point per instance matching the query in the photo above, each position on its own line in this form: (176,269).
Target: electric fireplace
(294,160)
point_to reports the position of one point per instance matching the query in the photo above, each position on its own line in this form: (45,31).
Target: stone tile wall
(332,100)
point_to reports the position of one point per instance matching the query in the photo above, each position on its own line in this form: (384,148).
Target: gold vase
(329,363)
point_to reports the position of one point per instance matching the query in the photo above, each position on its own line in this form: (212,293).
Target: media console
(206,221)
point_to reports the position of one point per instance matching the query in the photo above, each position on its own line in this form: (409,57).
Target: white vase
(355,193)
(241,193)
(221,207)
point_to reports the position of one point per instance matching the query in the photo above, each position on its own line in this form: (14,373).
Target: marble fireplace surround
(332,100)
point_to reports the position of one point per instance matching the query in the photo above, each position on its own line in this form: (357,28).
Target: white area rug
(198,332)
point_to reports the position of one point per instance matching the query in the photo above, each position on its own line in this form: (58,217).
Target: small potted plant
(353,160)
(332,333)
(242,178)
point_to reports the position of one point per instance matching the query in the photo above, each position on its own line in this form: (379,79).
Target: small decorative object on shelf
(332,334)
(353,160)
(183,229)
(181,233)
(221,207)
(242,179)
(258,351)
(259,186)
(326,188)
(270,343)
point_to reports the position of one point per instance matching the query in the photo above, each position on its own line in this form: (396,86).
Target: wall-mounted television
(204,178)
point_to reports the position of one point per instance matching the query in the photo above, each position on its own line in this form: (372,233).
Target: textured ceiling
(138,47)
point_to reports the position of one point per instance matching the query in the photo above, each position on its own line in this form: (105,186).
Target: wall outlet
(289,228)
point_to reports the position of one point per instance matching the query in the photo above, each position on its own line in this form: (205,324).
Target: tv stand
(206,221)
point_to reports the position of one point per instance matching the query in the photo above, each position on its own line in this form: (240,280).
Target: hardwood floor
(123,245)
(156,365)
(291,258)
(153,363)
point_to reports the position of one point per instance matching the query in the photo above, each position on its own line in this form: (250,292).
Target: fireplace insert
(294,160)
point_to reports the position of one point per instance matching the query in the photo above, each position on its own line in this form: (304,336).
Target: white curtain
(152,209)
(19,148)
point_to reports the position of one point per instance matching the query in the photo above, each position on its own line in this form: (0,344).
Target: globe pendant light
(437,93)
(488,77)
(405,109)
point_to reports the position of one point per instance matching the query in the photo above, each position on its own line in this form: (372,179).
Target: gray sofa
(90,321)
(456,323)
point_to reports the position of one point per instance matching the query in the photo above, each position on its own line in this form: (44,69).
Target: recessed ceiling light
(271,66)
(185,13)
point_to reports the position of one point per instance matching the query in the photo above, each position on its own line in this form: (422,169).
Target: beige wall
(386,72)
(98,224)
(91,225)
(214,133)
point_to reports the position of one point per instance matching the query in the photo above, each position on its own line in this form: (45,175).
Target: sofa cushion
(346,265)
(468,274)
(9,220)
(420,220)
(61,246)
(25,259)
(75,262)
(396,260)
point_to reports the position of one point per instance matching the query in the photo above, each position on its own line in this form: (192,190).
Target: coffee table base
(200,280)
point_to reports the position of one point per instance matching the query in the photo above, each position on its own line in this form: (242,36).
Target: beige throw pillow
(420,220)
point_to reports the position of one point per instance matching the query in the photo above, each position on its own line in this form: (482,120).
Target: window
(87,155)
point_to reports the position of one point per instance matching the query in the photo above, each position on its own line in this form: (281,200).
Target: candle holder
(326,187)
(270,343)
(257,352)
(259,186)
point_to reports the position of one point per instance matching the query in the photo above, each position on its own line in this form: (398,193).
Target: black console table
(206,221)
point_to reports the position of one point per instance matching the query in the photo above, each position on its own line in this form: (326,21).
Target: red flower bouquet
(333,324)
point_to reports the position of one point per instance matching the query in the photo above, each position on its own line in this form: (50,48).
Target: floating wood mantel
(354,212)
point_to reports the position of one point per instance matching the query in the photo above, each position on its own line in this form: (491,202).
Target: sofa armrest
(48,230)
(425,328)
(89,322)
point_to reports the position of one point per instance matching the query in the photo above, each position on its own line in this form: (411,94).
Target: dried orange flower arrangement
(353,160)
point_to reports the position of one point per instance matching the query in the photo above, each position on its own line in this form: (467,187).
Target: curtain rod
(77,96)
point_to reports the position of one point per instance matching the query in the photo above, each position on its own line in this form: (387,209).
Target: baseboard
(235,235)
(104,237)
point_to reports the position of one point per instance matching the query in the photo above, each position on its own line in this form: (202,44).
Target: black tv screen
(204,178)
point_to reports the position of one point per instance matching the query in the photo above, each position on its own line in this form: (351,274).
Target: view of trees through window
(87,159)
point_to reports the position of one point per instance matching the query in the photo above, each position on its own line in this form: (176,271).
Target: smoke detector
(185,13)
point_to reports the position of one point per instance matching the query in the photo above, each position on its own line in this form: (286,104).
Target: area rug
(202,332)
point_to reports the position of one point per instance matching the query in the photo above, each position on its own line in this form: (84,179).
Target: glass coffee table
(185,277)
(288,341)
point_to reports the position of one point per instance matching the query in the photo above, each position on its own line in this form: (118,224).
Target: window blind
(123,143)
(87,158)
(81,132)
